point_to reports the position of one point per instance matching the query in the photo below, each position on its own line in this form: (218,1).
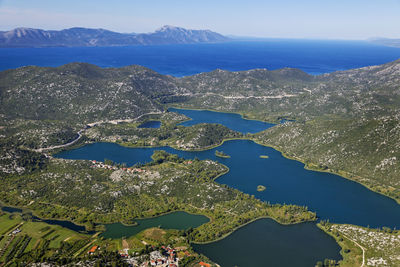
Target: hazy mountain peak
(79,36)
(169,28)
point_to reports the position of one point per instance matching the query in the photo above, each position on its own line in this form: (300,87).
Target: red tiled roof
(204,264)
(93,249)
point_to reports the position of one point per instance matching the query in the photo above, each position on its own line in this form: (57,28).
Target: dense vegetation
(85,194)
(381,246)
(81,92)
(15,159)
(362,150)
(200,136)
(221,154)
(25,241)
(352,107)
(346,122)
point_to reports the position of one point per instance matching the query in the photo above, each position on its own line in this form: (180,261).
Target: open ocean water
(312,56)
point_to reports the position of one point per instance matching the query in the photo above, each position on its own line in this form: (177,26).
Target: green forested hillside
(346,121)
(80,92)
(364,150)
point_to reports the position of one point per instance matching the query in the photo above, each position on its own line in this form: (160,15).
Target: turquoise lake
(330,196)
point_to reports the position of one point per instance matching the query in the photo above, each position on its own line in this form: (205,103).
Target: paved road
(91,125)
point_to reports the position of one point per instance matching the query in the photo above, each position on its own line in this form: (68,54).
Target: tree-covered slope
(346,121)
(264,94)
(80,92)
(365,150)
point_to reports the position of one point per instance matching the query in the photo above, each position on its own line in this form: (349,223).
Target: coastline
(340,173)
(249,222)
(152,217)
(346,258)
(242,115)
(24,208)
(306,166)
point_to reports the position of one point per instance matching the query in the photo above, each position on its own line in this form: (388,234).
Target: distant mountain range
(27,37)
(386,41)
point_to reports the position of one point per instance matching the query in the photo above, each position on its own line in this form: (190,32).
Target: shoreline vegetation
(261,188)
(189,211)
(314,167)
(285,214)
(350,253)
(245,224)
(243,115)
(84,193)
(221,154)
(309,166)
(26,242)
(380,189)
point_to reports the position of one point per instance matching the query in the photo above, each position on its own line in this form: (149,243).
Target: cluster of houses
(99,164)
(16,231)
(167,257)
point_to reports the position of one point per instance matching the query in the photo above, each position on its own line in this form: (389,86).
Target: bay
(267,243)
(176,220)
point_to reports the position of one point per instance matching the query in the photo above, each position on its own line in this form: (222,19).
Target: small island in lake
(264,156)
(221,154)
(261,188)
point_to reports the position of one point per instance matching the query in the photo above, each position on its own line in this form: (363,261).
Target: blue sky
(323,19)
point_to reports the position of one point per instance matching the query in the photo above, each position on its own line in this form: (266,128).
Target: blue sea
(312,56)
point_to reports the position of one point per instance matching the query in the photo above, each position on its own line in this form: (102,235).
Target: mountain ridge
(88,37)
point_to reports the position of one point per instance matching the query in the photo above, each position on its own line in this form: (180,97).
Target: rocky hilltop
(74,37)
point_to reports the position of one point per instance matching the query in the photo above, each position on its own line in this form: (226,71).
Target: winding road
(88,126)
(362,248)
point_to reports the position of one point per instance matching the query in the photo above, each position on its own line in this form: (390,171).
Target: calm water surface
(177,220)
(312,56)
(230,120)
(267,243)
(65,224)
(330,196)
(150,124)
